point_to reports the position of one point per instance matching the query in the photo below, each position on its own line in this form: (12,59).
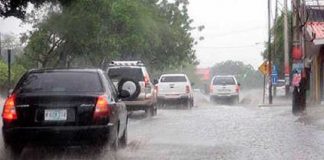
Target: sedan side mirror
(124,94)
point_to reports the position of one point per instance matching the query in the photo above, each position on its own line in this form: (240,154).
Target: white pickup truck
(174,89)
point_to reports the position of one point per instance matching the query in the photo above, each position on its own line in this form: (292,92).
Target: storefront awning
(316,32)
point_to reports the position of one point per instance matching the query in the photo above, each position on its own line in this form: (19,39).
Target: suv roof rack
(126,63)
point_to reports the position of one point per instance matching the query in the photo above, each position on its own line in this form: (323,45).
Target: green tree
(16,73)
(17,8)
(277,44)
(91,33)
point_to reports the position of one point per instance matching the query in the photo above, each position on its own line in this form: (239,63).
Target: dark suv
(133,77)
(72,105)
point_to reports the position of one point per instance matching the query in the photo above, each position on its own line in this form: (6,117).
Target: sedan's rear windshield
(173,79)
(116,74)
(224,81)
(62,82)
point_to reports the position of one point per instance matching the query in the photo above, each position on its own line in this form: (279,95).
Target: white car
(280,88)
(224,88)
(175,88)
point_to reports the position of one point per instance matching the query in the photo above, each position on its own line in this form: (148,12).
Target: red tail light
(9,111)
(187,89)
(237,89)
(146,81)
(102,107)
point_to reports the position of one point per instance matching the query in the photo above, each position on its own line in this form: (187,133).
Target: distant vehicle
(64,104)
(280,88)
(224,88)
(133,76)
(175,88)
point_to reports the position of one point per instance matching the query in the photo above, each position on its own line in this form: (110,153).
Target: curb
(275,105)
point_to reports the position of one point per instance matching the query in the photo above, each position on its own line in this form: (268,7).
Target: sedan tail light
(9,110)
(102,107)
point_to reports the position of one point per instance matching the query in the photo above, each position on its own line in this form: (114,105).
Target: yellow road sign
(264,68)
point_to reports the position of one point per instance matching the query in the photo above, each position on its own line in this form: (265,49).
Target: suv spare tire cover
(130,85)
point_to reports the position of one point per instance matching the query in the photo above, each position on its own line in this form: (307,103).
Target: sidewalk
(277,102)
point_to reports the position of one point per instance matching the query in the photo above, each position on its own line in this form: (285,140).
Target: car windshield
(224,81)
(61,82)
(116,74)
(173,79)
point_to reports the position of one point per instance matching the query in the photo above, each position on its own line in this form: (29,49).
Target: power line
(239,31)
(233,47)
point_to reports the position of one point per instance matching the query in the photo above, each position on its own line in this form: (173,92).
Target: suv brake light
(9,110)
(237,89)
(102,107)
(146,81)
(187,89)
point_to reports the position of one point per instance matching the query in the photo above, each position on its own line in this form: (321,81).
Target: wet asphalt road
(205,132)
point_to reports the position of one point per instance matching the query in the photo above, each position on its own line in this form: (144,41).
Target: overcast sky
(235,30)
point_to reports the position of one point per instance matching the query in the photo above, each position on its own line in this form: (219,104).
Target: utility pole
(9,70)
(275,42)
(0,45)
(269,52)
(286,47)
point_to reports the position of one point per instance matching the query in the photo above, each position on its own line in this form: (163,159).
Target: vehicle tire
(236,100)
(131,82)
(123,139)
(155,112)
(13,150)
(149,111)
(113,138)
(187,104)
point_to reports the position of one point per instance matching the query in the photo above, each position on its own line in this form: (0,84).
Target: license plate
(55,115)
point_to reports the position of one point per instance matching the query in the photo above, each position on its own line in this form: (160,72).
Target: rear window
(62,82)
(116,74)
(224,81)
(173,79)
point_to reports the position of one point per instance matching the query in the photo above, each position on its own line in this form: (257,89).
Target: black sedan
(64,105)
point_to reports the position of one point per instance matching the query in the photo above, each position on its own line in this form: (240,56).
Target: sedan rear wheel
(13,151)
(113,138)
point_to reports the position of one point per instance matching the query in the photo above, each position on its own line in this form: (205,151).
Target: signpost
(274,78)
(264,69)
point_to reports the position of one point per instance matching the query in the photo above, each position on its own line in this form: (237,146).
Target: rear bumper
(173,99)
(223,96)
(55,133)
(139,105)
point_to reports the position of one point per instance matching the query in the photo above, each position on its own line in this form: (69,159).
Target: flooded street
(207,131)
